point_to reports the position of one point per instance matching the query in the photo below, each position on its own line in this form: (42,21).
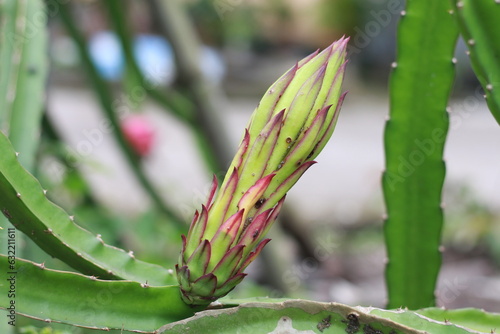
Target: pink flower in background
(139,133)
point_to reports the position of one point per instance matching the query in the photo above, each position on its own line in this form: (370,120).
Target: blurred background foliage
(242,47)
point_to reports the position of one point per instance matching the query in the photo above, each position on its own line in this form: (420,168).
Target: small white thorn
(451,11)
(72,218)
(79,254)
(110,272)
(485,96)
(448,109)
(41,265)
(394,64)
(460,4)
(215,304)
(489,87)
(471,42)
(467,52)
(17,154)
(145,285)
(93,278)
(170,271)
(47,320)
(18,195)
(48,231)
(454,60)
(45,191)
(131,254)
(403,12)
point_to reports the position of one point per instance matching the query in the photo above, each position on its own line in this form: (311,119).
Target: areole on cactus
(288,129)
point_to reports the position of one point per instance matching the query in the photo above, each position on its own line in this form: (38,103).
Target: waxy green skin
(289,128)
(478,22)
(25,204)
(414,139)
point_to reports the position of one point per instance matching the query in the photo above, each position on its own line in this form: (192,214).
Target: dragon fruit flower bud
(288,129)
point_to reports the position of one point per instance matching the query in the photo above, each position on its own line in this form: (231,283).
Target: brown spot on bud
(259,203)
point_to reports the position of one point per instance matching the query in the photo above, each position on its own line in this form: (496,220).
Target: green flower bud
(288,129)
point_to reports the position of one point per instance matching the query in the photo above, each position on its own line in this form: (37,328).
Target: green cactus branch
(23,45)
(473,318)
(414,139)
(57,296)
(308,317)
(478,21)
(106,102)
(23,202)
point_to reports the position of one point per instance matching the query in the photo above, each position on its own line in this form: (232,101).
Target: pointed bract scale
(253,232)
(183,253)
(212,192)
(240,155)
(274,215)
(198,261)
(256,162)
(183,277)
(226,237)
(267,106)
(219,211)
(197,231)
(300,153)
(283,188)
(329,130)
(193,222)
(255,192)
(334,97)
(230,284)
(249,259)
(333,76)
(304,61)
(205,285)
(303,147)
(230,260)
(297,115)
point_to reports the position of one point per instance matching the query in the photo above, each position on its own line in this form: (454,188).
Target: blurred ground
(342,190)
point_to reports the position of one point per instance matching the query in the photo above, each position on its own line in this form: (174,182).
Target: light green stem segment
(23,202)
(478,22)
(414,140)
(23,72)
(23,57)
(307,317)
(79,300)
